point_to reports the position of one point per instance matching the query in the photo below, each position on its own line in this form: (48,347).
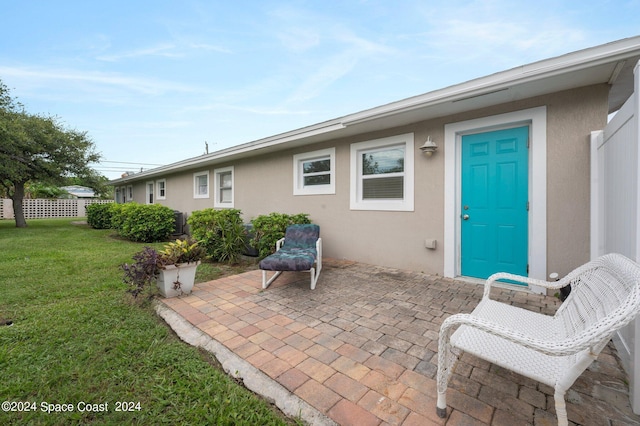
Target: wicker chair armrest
(521,279)
(553,348)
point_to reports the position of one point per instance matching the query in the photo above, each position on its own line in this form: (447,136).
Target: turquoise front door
(494,213)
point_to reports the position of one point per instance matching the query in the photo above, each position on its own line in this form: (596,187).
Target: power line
(126,162)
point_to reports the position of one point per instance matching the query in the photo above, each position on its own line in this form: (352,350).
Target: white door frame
(536,118)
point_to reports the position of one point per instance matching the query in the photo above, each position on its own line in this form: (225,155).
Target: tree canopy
(38,148)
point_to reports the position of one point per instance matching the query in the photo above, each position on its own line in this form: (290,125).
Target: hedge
(268,229)
(143,222)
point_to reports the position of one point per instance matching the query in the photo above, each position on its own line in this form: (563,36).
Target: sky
(152,81)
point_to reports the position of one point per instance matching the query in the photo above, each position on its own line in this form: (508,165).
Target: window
(129,195)
(201,185)
(314,172)
(382,174)
(150,186)
(162,189)
(223,187)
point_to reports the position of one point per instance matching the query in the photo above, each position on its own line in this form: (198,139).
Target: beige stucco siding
(571,117)
(264,184)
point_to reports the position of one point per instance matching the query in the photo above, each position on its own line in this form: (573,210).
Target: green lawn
(78,341)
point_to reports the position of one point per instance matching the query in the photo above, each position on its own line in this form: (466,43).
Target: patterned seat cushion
(298,252)
(290,259)
(301,236)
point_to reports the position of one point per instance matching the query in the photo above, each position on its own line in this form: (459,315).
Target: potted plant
(173,269)
(181,259)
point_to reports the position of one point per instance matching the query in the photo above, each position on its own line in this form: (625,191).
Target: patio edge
(253,379)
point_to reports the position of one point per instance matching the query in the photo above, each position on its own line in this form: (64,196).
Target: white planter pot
(185,273)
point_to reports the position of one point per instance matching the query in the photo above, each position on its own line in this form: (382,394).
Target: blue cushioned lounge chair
(299,250)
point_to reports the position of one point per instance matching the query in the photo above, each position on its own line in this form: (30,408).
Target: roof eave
(492,84)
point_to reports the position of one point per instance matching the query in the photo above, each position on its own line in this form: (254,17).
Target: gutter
(576,61)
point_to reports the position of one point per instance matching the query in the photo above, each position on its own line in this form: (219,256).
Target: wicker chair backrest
(605,295)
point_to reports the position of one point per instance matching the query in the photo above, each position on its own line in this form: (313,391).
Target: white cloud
(503,32)
(163,50)
(351,50)
(331,70)
(271,110)
(77,81)
(299,39)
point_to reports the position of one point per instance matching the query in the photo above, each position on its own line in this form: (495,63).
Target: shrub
(183,251)
(99,215)
(268,229)
(221,232)
(143,272)
(144,222)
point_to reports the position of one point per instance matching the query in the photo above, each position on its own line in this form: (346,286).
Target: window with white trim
(201,185)
(150,186)
(314,172)
(119,194)
(161,189)
(382,174)
(129,194)
(223,187)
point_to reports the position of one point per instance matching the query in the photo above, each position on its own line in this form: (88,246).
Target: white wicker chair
(553,350)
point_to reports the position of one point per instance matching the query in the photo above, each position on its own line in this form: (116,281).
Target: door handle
(465,217)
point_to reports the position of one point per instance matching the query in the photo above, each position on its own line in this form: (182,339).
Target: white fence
(615,210)
(46,209)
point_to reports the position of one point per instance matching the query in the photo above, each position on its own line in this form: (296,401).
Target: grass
(78,339)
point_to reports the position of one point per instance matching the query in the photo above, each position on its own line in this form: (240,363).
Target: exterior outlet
(430,243)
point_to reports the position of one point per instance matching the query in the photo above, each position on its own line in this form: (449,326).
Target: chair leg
(446,361)
(442,382)
(561,408)
(266,283)
(314,278)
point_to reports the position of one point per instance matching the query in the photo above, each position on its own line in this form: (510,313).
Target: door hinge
(527,206)
(527,269)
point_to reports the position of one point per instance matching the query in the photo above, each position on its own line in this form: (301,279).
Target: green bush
(268,229)
(99,215)
(143,222)
(221,232)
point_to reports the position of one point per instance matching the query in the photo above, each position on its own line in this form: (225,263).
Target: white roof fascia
(504,80)
(221,155)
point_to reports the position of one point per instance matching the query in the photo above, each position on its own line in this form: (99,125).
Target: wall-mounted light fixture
(429,147)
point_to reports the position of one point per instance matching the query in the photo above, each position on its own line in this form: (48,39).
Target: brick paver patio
(361,349)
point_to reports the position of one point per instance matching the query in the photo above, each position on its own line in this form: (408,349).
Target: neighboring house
(77,191)
(508,188)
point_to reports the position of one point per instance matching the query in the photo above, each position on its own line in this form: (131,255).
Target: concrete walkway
(361,349)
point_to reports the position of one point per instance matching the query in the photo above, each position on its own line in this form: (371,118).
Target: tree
(38,148)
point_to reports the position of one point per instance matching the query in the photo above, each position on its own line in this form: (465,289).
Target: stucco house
(491,174)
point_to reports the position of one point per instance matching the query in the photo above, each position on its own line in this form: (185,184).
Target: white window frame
(217,200)
(298,174)
(404,204)
(150,185)
(159,191)
(129,194)
(195,184)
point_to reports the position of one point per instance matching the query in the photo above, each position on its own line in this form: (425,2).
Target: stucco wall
(571,117)
(264,184)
